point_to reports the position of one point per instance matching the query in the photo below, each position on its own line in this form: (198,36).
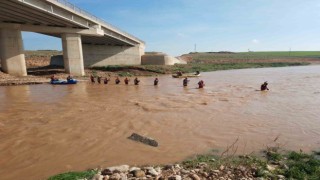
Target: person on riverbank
(117,81)
(106,80)
(92,79)
(156,81)
(126,81)
(185,81)
(99,79)
(201,84)
(136,81)
(264,86)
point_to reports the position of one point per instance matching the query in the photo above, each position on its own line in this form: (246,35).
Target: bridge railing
(95,18)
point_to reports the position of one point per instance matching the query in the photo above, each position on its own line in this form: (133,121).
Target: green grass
(305,54)
(302,166)
(74,175)
(209,56)
(292,165)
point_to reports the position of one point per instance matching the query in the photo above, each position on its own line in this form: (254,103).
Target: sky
(178,27)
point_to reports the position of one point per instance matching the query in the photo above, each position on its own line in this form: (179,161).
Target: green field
(255,55)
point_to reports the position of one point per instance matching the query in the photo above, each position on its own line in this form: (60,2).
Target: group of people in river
(106,80)
(136,81)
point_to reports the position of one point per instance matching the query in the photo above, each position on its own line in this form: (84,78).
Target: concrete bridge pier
(11,52)
(72,54)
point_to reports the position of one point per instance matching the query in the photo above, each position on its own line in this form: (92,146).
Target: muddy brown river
(46,129)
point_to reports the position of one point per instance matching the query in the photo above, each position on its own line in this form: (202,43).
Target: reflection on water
(48,129)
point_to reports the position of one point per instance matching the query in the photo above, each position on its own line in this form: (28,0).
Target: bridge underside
(84,42)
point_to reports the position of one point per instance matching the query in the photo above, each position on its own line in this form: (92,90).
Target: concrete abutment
(72,54)
(12,53)
(103,55)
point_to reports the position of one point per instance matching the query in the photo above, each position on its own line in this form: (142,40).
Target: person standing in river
(117,81)
(92,79)
(264,86)
(156,81)
(99,79)
(106,80)
(126,81)
(201,84)
(185,82)
(136,81)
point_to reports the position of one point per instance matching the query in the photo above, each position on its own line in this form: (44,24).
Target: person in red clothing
(126,81)
(201,84)
(117,80)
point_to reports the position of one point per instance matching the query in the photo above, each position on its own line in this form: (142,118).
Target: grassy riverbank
(271,164)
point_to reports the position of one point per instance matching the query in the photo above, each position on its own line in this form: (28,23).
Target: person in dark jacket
(264,86)
(92,79)
(136,81)
(185,81)
(156,81)
(117,80)
(99,79)
(106,80)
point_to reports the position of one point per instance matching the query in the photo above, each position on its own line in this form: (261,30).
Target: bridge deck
(60,13)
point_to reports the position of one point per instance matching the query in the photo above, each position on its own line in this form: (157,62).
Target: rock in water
(144,140)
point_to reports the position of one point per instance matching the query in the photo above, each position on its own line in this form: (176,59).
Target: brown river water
(46,129)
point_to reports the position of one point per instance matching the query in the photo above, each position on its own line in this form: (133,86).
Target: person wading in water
(136,81)
(185,81)
(156,81)
(106,80)
(264,86)
(201,84)
(117,80)
(126,81)
(92,79)
(99,79)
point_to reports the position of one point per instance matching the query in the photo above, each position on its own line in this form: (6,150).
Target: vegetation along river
(46,129)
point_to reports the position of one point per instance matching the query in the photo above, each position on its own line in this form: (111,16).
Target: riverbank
(273,163)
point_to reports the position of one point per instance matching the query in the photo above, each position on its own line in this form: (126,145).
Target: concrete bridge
(86,39)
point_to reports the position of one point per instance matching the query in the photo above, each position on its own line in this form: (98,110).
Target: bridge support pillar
(11,52)
(72,54)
